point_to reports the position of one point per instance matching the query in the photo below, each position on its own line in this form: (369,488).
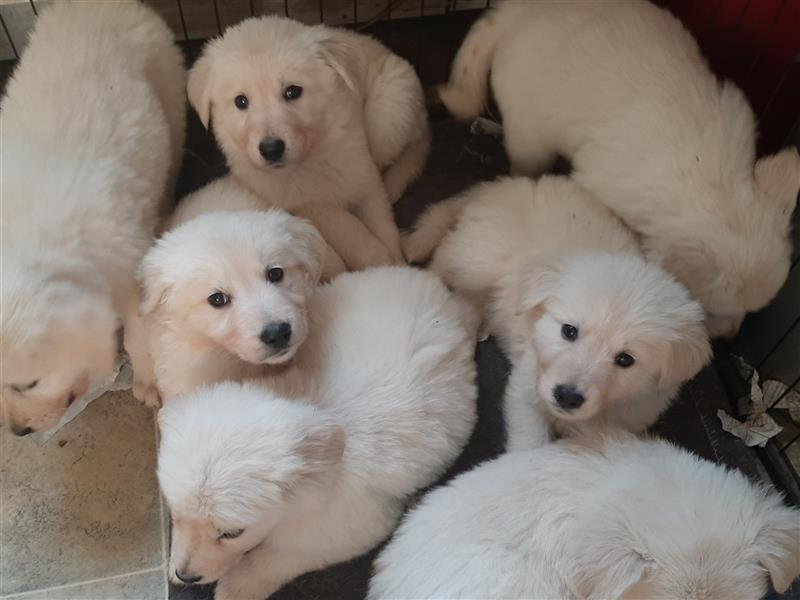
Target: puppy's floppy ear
(609,571)
(338,53)
(309,247)
(536,281)
(321,446)
(154,284)
(198,88)
(690,351)
(777,547)
(778,176)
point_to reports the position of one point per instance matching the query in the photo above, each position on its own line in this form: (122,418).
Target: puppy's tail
(419,243)
(465,94)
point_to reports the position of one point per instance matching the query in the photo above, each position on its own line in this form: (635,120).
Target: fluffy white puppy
(315,114)
(227,294)
(649,129)
(93,127)
(262,489)
(615,517)
(227,194)
(594,332)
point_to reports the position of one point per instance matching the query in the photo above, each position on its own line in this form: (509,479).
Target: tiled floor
(81,515)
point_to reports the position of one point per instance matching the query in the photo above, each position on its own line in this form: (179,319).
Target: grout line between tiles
(80,583)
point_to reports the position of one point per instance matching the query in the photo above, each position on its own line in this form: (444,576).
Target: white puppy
(227,293)
(227,194)
(617,517)
(262,489)
(93,127)
(594,333)
(315,114)
(622,90)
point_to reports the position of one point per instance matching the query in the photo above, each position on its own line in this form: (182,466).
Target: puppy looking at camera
(268,480)
(594,333)
(315,114)
(227,294)
(650,130)
(598,517)
(92,133)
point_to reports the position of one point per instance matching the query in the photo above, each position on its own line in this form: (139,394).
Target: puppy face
(271,87)
(607,329)
(737,266)
(234,463)
(56,339)
(238,281)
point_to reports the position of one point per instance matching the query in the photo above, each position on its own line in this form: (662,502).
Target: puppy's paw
(414,248)
(147,393)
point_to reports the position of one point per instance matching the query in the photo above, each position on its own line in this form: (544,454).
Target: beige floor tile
(83,506)
(150,585)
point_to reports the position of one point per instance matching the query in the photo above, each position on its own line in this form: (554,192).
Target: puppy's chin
(282,356)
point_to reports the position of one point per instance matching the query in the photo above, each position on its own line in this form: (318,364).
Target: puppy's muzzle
(272,150)
(276,335)
(187,577)
(21,431)
(568,397)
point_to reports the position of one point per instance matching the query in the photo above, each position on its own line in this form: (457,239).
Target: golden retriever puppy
(622,89)
(315,114)
(93,128)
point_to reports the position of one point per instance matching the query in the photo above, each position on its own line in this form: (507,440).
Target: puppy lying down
(593,332)
(263,488)
(604,517)
(317,115)
(649,129)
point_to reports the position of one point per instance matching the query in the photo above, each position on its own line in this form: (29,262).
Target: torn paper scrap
(755,431)
(121,379)
(481,125)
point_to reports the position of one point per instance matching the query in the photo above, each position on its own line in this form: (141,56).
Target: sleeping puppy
(92,139)
(227,295)
(593,332)
(314,114)
(606,517)
(649,129)
(269,479)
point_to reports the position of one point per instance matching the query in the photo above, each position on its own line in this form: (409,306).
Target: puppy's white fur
(386,406)
(93,127)
(617,517)
(227,194)
(649,129)
(534,256)
(354,139)
(194,343)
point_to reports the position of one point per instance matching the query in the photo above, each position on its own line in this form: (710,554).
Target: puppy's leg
(526,426)
(346,235)
(529,157)
(333,264)
(408,166)
(376,213)
(137,344)
(261,573)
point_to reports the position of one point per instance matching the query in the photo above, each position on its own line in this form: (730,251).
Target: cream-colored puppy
(93,127)
(227,194)
(594,333)
(614,517)
(315,114)
(227,296)
(622,90)
(267,483)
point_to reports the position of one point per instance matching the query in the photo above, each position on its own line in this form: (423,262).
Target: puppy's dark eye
(241,102)
(218,300)
(569,332)
(293,92)
(274,275)
(25,387)
(624,360)
(231,535)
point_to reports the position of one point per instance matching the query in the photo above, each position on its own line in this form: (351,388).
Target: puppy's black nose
(21,431)
(272,149)
(277,335)
(567,397)
(187,577)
